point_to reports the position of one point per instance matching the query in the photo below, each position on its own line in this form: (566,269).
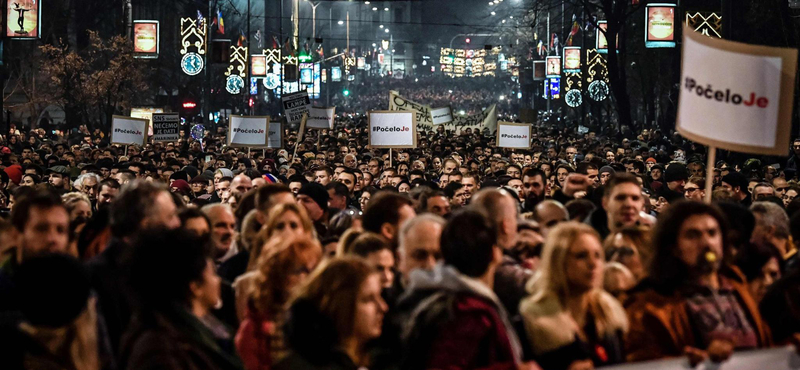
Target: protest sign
(389,129)
(321,117)
(248,131)
(275,135)
(750,112)
(784,358)
(166,127)
(128,130)
(441,115)
(487,119)
(294,105)
(514,135)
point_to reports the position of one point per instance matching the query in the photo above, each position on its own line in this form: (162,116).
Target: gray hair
(418,220)
(79,181)
(773,215)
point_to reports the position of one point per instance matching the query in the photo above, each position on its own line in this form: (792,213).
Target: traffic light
(346,92)
(251,102)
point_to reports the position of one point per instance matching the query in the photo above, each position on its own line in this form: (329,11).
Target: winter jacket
(176,340)
(459,323)
(554,335)
(660,322)
(509,283)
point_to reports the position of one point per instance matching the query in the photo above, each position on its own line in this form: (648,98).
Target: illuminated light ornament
(192,64)
(272,81)
(598,90)
(197,132)
(234,84)
(573,98)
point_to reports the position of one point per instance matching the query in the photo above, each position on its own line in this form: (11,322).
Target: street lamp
(314,6)
(340,23)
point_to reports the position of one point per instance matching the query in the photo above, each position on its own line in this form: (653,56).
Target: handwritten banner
(487,119)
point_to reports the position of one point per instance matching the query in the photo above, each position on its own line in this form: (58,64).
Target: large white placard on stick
(128,130)
(294,105)
(275,135)
(321,117)
(166,127)
(783,358)
(514,135)
(736,96)
(392,129)
(441,115)
(248,131)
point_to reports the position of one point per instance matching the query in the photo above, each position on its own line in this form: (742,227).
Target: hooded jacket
(457,322)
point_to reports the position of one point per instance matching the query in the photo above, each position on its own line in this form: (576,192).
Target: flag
(320,51)
(275,42)
(574,31)
(288,46)
(540,48)
(258,38)
(554,43)
(200,20)
(221,22)
(242,39)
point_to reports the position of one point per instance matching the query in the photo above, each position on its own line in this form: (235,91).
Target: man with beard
(533,186)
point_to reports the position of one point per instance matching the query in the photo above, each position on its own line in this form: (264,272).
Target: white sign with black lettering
(248,131)
(442,115)
(392,129)
(321,117)
(275,135)
(128,130)
(750,113)
(513,135)
(166,127)
(294,105)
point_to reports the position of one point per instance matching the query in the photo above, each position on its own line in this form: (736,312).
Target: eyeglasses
(690,190)
(782,189)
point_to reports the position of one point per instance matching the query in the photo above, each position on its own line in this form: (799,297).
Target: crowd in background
(589,249)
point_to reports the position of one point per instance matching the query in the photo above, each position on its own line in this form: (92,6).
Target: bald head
(500,207)
(548,214)
(241,184)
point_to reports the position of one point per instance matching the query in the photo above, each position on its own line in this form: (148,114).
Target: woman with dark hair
(336,313)
(175,286)
(761,264)
(366,195)
(692,301)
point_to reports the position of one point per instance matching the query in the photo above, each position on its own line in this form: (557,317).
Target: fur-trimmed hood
(550,326)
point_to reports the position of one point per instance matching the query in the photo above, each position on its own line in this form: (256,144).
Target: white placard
(128,130)
(166,127)
(513,135)
(321,117)
(783,358)
(294,105)
(732,95)
(388,129)
(275,135)
(441,115)
(248,131)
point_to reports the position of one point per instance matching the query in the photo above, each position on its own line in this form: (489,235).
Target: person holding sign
(692,303)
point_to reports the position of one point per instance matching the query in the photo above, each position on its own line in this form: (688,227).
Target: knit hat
(316,192)
(735,179)
(48,301)
(14,173)
(225,172)
(607,169)
(182,186)
(676,172)
(650,160)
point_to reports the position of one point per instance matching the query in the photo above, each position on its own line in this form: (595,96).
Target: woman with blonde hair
(284,266)
(572,323)
(283,222)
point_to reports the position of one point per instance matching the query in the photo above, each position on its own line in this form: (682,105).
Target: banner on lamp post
(146,39)
(751,113)
(23,19)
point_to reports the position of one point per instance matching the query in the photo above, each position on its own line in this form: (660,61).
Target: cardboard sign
(514,135)
(389,129)
(248,131)
(294,105)
(128,130)
(166,127)
(783,358)
(321,117)
(441,115)
(275,135)
(750,113)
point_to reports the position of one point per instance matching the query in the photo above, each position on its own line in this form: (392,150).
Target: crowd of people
(584,251)
(470,94)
